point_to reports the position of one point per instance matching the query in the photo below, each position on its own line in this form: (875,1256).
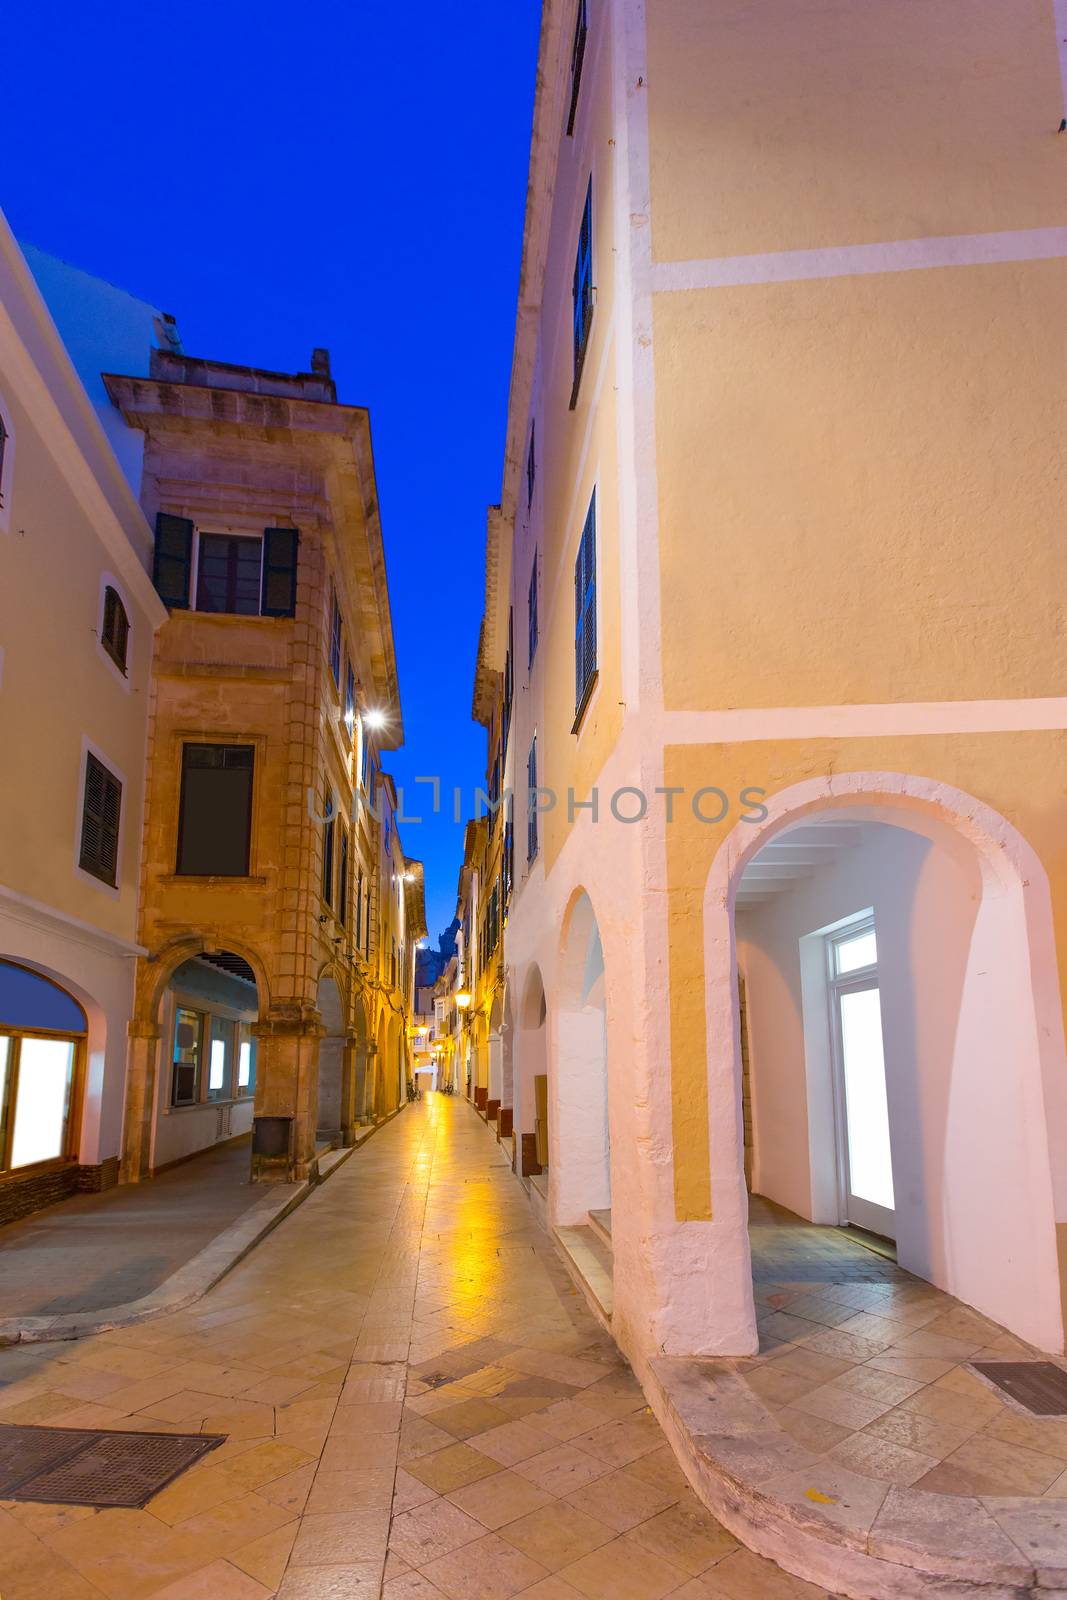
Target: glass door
(864,1146)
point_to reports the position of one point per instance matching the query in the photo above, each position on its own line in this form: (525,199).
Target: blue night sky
(342,174)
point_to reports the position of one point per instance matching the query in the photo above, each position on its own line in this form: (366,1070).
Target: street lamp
(463,999)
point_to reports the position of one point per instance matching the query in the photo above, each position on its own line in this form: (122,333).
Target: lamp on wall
(463,999)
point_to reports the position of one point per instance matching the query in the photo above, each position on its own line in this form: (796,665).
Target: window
(359,906)
(221,1061)
(240,574)
(531,613)
(583,291)
(335,638)
(327,850)
(185,1075)
(581,33)
(364,754)
(507,872)
(101,808)
(342,880)
(7,462)
(509,685)
(42,1029)
(585,641)
(350,697)
(246,1062)
(229,574)
(531,465)
(215,810)
(115,632)
(531,813)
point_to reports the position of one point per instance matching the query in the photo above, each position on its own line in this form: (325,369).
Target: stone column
(141,1056)
(287,1078)
(351,1085)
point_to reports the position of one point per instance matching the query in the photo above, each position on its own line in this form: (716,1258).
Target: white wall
(964,1134)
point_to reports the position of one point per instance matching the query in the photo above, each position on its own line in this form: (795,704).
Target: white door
(864,1147)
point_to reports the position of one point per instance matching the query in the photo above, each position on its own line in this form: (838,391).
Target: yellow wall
(788,124)
(57,688)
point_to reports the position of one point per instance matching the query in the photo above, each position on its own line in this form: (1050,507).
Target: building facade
(78,616)
(776,574)
(275,989)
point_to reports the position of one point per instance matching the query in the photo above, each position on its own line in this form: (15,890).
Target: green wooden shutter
(173,560)
(279,572)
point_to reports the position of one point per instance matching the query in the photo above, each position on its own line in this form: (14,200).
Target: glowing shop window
(870,1164)
(852,954)
(46,1070)
(244,1066)
(221,1054)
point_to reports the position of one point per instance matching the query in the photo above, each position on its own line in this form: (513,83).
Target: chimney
(320,363)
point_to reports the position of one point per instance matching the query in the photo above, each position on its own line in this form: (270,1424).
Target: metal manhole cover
(435,1380)
(93,1468)
(26,1451)
(1040,1386)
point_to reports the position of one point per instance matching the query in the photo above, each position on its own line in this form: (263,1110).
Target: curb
(201,1273)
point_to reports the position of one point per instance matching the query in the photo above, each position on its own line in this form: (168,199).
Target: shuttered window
(581,33)
(173,565)
(531,801)
(115,629)
(531,613)
(335,640)
(531,465)
(342,880)
(585,641)
(279,572)
(215,816)
(101,809)
(327,851)
(583,290)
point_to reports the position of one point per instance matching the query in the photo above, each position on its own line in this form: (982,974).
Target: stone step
(538,1190)
(589,1262)
(600,1222)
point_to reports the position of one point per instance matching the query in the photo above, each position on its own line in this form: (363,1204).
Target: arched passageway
(899,1055)
(578,1100)
(331,1008)
(531,1075)
(206,1077)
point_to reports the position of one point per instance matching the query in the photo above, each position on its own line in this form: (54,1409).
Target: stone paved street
(413,1395)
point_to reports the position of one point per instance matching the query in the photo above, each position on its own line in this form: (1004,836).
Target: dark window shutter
(101,808)
(579,632)
(115,635)
(173,560)
(279,572)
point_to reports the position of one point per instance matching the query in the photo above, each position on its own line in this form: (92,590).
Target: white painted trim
(864,721)
(858,260)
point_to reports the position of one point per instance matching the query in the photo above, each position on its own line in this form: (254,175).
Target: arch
(332,1010)
(531,1063)
(994,1142)
(497,1089)
(156,971)
(579,1141)
(52,1042)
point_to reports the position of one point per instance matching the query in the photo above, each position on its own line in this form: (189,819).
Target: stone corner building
(273,903)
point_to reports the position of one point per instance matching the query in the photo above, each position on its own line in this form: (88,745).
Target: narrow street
(413,1394)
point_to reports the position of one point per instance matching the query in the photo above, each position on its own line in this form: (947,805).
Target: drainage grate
(83,1467)
(1040,1386)
(436,1380)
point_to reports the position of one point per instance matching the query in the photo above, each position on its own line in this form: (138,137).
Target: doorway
(861,1107)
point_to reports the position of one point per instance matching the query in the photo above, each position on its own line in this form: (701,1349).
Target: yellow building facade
(279,912)
(778,572)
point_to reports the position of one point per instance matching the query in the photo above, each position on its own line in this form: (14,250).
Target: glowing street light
(375,719)
(463,999)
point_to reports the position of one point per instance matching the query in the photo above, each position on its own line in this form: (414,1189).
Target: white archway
(579,1136)
(995,1145)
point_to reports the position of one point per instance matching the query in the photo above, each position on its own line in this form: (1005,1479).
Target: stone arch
(531,1071)
(578,1088)
(997,1147)
(333,1012)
